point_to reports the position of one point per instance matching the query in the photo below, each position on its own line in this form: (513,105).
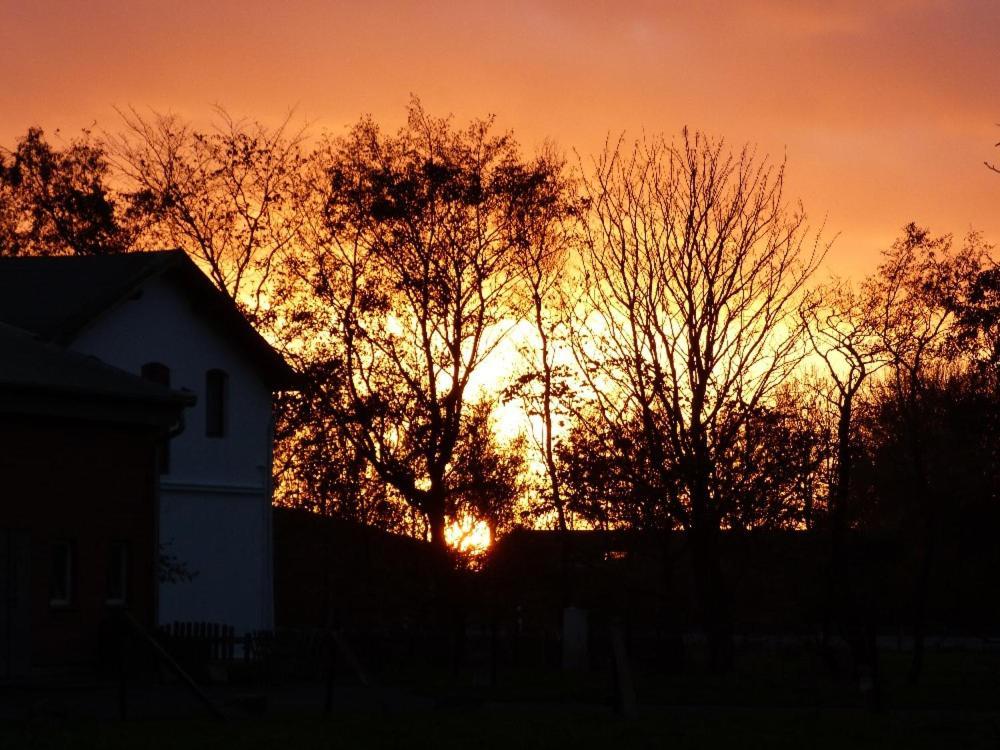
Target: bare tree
(548,228)
(229,197)
(843,332)
(844,335)
(843,329)
(693,272)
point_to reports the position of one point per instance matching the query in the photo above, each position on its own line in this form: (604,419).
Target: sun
(468,535)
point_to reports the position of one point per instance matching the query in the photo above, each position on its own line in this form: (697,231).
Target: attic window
(216,393)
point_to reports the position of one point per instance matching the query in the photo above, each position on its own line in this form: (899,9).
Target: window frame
(216,403)
(123,573)
(67,574)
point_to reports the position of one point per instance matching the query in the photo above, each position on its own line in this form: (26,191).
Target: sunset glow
(885,111)
(468,535)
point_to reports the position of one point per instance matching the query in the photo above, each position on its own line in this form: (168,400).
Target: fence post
(122,671)
(330,672)
(624,689)
(493,652)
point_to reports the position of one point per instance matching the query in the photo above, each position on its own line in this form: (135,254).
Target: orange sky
(885,108)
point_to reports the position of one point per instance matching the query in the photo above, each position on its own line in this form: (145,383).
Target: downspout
(267,601)
(180,425)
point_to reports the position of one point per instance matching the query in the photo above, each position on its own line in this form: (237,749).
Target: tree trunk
(710,583)
(547,420)
(839,513)
(921,593)
(922,583)
(441,562)
(450,595)
(716,616)
(438,541)
(840,605)
(672,639)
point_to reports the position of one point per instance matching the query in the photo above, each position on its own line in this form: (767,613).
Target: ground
(776,700)
(521,728)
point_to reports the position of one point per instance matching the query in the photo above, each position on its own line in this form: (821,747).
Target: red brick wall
(92,485)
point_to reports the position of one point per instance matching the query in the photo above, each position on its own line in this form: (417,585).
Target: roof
(37,376)
(56,297)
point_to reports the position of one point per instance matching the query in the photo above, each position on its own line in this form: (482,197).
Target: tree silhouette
(692,274)
(548,228)
(609,478)
(765,477)
(409,284)
(316,468)
(917,286)
(488,475)
(977,331)
(230,197)
(844,332)
(56,202)
(990,165)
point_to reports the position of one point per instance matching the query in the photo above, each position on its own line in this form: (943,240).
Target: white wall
(225,540)
(161,326)
(215,510)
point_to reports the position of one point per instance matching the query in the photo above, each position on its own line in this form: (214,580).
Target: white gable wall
(161,326)
(215,499)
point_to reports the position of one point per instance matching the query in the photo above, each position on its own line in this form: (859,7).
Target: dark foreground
(520,728)
(784,699)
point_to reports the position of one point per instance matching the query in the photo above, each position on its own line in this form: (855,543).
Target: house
(157,315)
(78,451)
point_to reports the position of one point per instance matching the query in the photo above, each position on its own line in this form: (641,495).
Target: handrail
(165,657)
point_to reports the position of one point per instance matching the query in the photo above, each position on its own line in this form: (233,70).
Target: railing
(201,641)
(131,632)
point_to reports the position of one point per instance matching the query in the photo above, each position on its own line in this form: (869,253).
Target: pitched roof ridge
(91,286)
(39,347)
(113,298)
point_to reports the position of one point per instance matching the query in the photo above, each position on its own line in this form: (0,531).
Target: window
(61,574)
(216,397)
(157,372)
(118,569)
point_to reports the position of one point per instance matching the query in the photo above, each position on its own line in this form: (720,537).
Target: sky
(885,110)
